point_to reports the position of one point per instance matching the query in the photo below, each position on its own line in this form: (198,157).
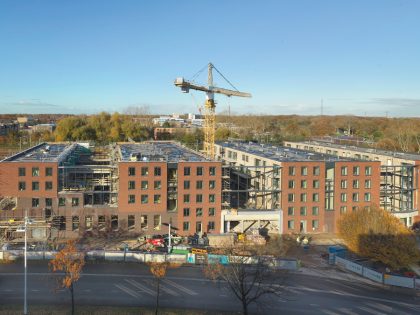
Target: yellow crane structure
(209,105)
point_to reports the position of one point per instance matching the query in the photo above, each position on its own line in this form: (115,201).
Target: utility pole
(322,107)
(25,305)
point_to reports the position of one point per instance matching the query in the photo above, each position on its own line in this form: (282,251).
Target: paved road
(131,285)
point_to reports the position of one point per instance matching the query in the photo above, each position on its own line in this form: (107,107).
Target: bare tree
(248,277)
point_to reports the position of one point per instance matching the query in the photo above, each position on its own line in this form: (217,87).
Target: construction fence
(384,278)
(139,257)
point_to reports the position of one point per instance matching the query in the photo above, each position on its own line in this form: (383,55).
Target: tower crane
(209,105)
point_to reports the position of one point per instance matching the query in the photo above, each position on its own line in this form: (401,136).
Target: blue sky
(360,57)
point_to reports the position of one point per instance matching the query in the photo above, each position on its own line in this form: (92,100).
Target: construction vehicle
(210,105)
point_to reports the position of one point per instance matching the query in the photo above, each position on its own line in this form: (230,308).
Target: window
(290,197)
(303,197)
(367,196)
(186,212)
(131,171)
(291,224)
(48,171)
(185,226)
(212,184)
(186,198)
(211,225)
(144,184)
(144,199)
(355,197)
(315,224)
(302,210)
(158,171)
(131,222)
(156,199)
(316,170)
(315,197)
(291,184)
(131,198)
(48,185)
(304,170)
(35,171)
(290,211)
(199,184)
(198,212)
(368,183)
(315,210)
(343,183)
(144,171)
(343,197)
(344,170)
(101,223)
(356,170)
(35,202)
(75,223)
(157,184)
(303,184)
(88,222)
(199,198)
(156,222)
(212,198)
(212,212)
(114,222)
(368,170)
(48,202)
(61,202)
(143,222)
(292,170)
(74,202)
(131,184)
(21,186)
(199,171)
(343,209)
(35,185)
(315,183)
(22,171)
(186,184)
(212,171)
(187,171)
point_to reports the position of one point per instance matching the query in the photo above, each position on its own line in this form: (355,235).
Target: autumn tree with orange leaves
(70,262)
(377,234)
(158,270)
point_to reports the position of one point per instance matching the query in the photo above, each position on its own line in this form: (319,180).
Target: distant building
(43,128)
(6,128)
(25,121)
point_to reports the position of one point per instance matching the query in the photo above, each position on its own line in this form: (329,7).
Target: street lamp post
(24,229)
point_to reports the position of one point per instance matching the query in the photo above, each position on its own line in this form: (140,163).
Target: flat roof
(44,152)
(159,151)
(280,153)
(395,154)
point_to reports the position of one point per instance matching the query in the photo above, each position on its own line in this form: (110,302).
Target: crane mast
(210,105)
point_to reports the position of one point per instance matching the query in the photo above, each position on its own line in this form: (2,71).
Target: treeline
(102,128)
(397,134)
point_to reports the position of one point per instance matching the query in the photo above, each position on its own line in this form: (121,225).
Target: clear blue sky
(361,57)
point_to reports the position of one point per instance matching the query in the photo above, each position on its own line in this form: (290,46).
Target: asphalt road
(118,284)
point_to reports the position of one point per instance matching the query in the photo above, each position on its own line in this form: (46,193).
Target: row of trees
(248,283)
(400,134)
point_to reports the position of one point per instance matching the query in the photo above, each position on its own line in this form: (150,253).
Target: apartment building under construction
(399,175)
(71,188)
(312,189)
